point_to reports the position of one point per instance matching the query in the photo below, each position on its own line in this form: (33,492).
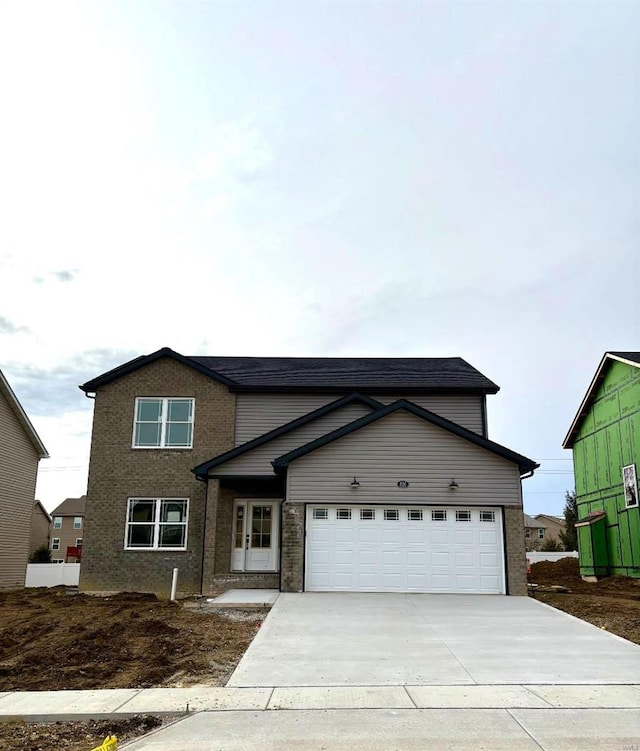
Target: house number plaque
(403,484)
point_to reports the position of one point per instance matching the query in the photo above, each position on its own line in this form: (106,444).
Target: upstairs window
(77,522)
(157,524)
(540,533)
(57,522)
(163,423)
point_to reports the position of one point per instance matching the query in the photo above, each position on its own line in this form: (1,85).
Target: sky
(319,178)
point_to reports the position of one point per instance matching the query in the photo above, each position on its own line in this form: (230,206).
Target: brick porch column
(292,543)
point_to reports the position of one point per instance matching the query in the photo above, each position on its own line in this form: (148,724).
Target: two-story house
(66,531)
(20,452)
(317,474)
(534,533)
(605,439)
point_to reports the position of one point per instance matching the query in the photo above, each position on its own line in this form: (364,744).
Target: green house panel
(608,438)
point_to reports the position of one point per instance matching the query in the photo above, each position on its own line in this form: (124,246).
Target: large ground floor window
(157,524)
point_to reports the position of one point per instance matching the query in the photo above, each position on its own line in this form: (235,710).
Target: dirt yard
(72,736)
(53,640)
(612,603)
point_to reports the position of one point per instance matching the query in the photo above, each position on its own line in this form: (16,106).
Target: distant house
(20,451)
(554,525)
(535,533)
(67,525)
(40,523)
(605,439)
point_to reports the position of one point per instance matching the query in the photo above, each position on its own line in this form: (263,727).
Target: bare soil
(51,640)
(612,603)
(72,736)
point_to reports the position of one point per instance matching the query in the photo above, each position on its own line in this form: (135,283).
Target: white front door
(255,536)
(402,549)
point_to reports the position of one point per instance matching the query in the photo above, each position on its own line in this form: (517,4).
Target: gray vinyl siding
(403,447)
(18,470)
(258,461)
(259,413)
(464,409)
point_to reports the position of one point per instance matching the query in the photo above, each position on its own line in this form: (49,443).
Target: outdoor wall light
(453,484)
(354,484)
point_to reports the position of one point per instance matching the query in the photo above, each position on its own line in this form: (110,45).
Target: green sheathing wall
(608,439)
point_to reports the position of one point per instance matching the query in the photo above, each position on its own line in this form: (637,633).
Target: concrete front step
(36,706)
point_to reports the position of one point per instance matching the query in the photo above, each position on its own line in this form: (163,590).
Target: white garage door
(400,549)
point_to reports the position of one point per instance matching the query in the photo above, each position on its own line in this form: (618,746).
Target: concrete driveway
(359,639)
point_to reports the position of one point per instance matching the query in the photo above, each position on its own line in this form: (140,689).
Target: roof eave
(23,418)
(586,401)
(372,389)
(139,362)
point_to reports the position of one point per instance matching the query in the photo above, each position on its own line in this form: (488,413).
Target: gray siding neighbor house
(20,451)
(303,474)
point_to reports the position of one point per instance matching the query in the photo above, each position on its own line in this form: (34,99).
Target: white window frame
(436,518)
(415,515)
(343,514)
(320,514)
(156,526)
(77,522)
(79,542)
(367,514)
(392,515)
(55,543)
(527,533)
(57,522)
(487,516)
(540,533)
(463,515)
(163,421)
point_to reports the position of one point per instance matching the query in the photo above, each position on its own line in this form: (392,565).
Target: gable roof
(525,465)
(322,374)
(21,415)
(38,505)
(70,507)
(533,523)
(202,470)
(629,358)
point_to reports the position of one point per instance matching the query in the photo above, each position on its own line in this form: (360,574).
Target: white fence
(52,575)
(535,557)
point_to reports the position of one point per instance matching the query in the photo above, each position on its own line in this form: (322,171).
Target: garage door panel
(402,550)
(487,537)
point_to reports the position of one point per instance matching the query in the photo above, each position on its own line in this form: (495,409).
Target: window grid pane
(343,513)
(320,513)
(391,514)
(487,516)
(438,515)
(164,423)
(367,513)
(414,515)
(463,516)
(156,523)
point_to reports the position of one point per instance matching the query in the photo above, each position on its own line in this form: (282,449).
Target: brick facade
(118,472)
(293,539)
(514,551)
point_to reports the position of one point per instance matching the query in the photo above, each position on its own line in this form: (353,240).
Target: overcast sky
(319,178)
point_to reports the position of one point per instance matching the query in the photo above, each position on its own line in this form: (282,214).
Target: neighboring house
(554,525)
(40,522)
(605,439)
(67,528)
(318,474)
(535,533)
(20,451)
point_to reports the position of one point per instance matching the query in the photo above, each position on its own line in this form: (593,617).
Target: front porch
(242,538)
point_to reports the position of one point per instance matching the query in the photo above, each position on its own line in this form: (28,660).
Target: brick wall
(118,472)
(292,578)
(514,551)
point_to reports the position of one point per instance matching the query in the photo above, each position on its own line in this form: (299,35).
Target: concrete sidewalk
(47,706)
